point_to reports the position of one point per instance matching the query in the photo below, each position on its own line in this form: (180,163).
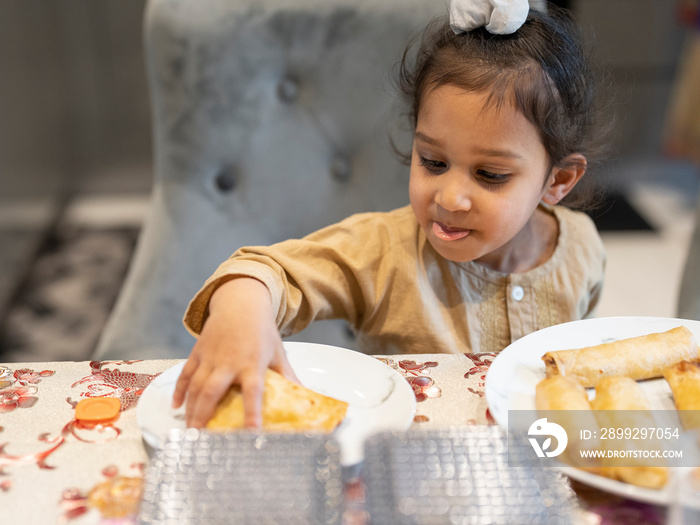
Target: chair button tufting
(341,168)
(226,180)
(288,89)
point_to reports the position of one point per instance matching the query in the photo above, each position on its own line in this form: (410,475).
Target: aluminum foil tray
(460,476)
(200,477)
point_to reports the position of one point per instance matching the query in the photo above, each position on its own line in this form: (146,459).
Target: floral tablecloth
(53,469)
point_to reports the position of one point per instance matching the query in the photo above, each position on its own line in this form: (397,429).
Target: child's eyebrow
(498,153)
(490,152)
(425,138)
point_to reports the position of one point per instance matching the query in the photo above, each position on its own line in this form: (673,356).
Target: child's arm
(238,342)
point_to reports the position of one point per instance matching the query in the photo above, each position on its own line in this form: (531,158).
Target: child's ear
(562,180)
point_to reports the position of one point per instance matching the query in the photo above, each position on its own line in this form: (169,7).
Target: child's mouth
(446,233)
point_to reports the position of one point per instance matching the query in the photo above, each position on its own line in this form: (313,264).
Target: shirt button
(517,293)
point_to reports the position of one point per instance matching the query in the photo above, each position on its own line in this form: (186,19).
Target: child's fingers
(183,382)
(280,364)
(252,386)
(206,388)
(287,371)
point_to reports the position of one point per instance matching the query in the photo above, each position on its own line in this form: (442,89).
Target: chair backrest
(272,118)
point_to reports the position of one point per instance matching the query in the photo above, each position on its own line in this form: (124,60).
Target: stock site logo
(542,427)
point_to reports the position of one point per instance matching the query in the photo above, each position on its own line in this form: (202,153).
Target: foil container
(460,476)
(201,477)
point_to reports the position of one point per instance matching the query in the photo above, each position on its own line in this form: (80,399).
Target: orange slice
(98,409)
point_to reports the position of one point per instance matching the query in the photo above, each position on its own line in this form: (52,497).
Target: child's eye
(492,178)
(433,166)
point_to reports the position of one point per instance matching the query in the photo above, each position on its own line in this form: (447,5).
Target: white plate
(379,398)
(513,375)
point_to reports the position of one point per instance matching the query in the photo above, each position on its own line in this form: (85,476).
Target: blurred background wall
(639,43)
(75,116)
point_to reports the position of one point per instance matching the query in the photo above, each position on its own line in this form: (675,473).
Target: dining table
(55,468)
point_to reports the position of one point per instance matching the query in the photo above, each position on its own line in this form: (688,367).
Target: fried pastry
(286,407)
(638,358)
(684,380)
(620,403)
(565,402)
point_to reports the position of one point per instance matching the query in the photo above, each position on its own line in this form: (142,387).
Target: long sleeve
(379,272)
(341,271)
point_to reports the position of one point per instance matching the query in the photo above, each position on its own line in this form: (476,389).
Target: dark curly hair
(542,68)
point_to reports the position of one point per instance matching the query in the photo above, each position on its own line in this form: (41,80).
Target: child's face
(477,176)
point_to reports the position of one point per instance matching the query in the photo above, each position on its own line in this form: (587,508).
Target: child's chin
(451,254)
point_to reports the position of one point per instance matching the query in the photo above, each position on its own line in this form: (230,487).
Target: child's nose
(453,194)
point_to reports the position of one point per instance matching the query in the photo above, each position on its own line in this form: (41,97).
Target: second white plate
(379,398)
(513,375)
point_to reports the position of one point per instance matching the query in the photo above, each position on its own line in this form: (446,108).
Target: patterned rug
(65,300)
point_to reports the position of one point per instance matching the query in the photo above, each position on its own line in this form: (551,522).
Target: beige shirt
(379,272)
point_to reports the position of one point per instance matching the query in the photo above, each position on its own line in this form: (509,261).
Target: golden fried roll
(287,407)
(561,393)
(565,402)
(640,357)
(684,380)
(619,393)
(620,403)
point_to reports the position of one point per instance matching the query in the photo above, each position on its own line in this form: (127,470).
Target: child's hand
(238,343)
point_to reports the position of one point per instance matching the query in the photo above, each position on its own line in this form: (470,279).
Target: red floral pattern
(423,387)
(84,433)
(481,363)
(105,382)
(412,367)
(416,374)
(19,389)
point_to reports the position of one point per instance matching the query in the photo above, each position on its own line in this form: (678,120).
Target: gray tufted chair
(272,118)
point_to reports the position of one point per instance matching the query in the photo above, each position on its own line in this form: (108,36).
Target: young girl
(503,125)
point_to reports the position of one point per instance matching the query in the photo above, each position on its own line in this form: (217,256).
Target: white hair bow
(500,17)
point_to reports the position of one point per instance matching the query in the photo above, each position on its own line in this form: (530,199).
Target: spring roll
(561,393)
(565,402)
(684,380)
(640,357)
(620,403)
(619,393)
